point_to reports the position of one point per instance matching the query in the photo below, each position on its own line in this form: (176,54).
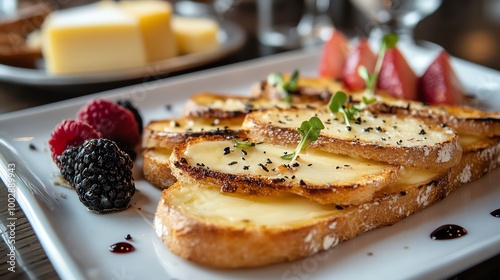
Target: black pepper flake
(367,129)
(443,125)
(403,193)
(383,139)
(310,164)
(422,132)
(302,183)
(278,180)
(338,167)
(358,120)
(232,163)
(246,167)
(176,124)
(268,161)
(242,158)
(399,142)
(338,207)
(128,237)
(33,147)
(183,160)
(243,152)
(379,129)
(263,167)
(295,164)
(293,177)
(348,127)
(227,150)
(200,164)
(347,165)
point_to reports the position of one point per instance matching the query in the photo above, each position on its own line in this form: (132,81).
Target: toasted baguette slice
(319,176)
(224,230)
(393,139)
(212,105)
(309,89)
(168,132)
(156,167)
(465,120)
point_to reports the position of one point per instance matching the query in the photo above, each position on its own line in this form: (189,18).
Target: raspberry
(111,121)
(69,133)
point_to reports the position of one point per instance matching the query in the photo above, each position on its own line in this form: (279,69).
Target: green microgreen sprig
(285,87)
(339,104)
(389,41)
(309,131)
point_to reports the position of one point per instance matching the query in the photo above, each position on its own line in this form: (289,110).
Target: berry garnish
(111,121)
(69,133)
(129,106)
(101,174)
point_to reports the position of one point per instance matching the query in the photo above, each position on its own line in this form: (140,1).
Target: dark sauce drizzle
(449,231)
(121,247)
(496,213)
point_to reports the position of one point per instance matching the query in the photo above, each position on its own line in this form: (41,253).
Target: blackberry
(101,174)
(137,116)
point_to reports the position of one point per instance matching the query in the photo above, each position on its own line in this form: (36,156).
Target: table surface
(462,36)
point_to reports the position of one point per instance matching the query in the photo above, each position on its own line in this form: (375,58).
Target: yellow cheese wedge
(107,36)
(195,35)
(155,23)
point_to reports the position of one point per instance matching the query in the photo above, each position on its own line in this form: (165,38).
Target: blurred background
(466,29)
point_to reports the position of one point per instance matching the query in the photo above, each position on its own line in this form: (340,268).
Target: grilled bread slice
(156,167)
(167,133)
(309,89)
(465,120)
(259,169)
(232,230)
(393,139)
(213,105)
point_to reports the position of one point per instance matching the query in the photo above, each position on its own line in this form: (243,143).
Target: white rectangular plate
(77,240)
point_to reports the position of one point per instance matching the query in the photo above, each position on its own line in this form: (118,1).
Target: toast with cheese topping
(465,120)
(233,230)
(387,138)
(259,169)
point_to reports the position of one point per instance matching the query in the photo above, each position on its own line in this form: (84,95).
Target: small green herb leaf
(309,131)
(363,73)
(368,101)
(286,88)
(390,40)
(337,102)
(245,143)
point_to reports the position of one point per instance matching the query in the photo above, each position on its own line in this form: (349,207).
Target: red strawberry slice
(69,133)
(111,121)
(361,54)
(396,77)
(334,56)
(439,84)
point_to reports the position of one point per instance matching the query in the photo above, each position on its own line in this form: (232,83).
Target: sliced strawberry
(396,77)
(439,84)
(111,121)
(334,56)
(361,54)
(69,133)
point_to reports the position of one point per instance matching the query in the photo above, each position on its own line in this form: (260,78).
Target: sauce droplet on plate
(121,247)
(496,213)
(445,232)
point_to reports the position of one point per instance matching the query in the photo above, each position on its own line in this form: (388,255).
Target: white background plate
(77,241)
(230,36)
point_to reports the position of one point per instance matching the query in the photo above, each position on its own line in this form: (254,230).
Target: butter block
(194,35)
(108,36)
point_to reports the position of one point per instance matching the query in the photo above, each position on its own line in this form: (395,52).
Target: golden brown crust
(156,167)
